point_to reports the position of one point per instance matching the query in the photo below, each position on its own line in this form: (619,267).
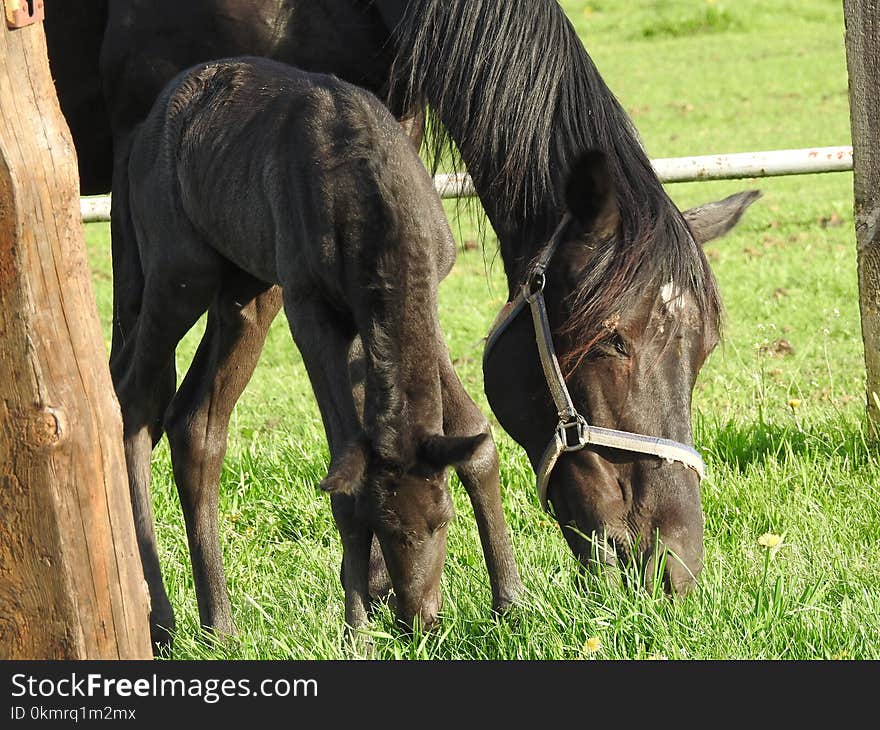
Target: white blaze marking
(671,297)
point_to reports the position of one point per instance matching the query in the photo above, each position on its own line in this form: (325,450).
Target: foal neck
(402,344)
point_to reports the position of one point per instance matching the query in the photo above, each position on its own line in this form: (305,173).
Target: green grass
(781,423)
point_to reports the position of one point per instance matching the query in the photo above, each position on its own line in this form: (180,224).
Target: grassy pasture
(778,409)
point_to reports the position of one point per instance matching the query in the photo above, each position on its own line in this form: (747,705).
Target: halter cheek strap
(573,433)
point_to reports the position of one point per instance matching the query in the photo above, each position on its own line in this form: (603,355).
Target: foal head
(405,501)
(633,321)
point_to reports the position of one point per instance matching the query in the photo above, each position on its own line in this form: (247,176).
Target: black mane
(517,98)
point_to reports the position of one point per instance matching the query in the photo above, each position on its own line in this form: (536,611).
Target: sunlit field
(778,409)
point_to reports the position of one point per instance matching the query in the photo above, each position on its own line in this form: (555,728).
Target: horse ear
(590,194)
(714,220)
(443,451)
(346,473)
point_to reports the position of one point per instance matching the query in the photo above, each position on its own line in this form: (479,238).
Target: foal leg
(480,476)
(142,393)
(380,581)
(141,416)
(197,424)
(324,343)
(143,375)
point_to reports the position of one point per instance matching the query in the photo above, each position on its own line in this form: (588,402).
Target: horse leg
(143,375)
(142,393)
(481,479)
(141,431)
(197,424)
(380,581)
(324,343)
(128,276)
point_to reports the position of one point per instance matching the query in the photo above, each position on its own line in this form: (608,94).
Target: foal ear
(346,473)
(713,220)
(590,194)
(443,451)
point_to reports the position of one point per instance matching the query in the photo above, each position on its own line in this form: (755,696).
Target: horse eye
(611,346)
(440,526)
(614,345)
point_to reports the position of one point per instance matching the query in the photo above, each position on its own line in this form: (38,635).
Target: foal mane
(514,95)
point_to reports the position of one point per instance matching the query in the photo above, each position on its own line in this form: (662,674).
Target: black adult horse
(630,305)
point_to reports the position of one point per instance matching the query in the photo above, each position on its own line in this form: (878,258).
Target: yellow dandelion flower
(794,404)
(592,645)
(656,658)
(769,540)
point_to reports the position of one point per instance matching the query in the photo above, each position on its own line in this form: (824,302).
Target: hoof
(357,645)
(509,613)
(509,599)
(220,635)
(162,639)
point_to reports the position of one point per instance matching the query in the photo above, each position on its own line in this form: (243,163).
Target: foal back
(296,178)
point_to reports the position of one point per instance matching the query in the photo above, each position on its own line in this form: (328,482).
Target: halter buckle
(573,434)
(534,284)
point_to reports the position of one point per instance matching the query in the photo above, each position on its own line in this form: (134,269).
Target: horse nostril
(430,612)
(598,551)
(680,578)
(426,613)
(604,551)
(676,574)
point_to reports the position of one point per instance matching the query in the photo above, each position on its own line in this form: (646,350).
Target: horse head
(596,384)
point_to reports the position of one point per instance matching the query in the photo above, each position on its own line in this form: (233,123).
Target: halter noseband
(573,433)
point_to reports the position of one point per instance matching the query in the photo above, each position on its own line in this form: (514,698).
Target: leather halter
(573,433)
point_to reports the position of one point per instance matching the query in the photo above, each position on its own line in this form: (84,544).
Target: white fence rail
(755,164)
(670,170)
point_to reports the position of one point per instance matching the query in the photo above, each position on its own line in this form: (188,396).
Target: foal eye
(620,346)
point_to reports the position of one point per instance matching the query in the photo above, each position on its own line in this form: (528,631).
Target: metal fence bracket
(21,13)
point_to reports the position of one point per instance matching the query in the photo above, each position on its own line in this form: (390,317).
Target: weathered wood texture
(71,584)
(862,19)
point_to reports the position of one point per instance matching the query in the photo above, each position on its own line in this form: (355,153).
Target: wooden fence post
(862,18)
(71,585)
